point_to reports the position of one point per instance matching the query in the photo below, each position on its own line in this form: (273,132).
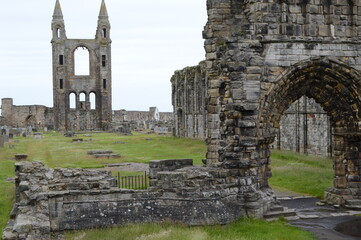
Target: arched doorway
(337,88)
(31,121)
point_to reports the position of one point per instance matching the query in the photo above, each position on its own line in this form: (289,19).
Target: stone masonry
(53,200)
(66,82)
(42,117)
(304,127)
(144,120)
(261,56)
(35,116)
(189,96)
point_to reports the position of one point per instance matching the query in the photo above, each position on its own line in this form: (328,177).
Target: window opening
(82,100)
(58,32)
(92,99)
(72,100)
(81,61)
(104,60)
(104,83)
(61,83)
(104,32)
(61,59)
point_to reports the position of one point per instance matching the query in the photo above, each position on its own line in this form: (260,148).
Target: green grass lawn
(58,151)
(299,173)
(245,229)
(291,171)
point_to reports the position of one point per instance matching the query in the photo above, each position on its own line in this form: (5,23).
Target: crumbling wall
(189,96)
(305,126)
(36,185)
(35,116)
(52,200)
(144,120)
(262,56)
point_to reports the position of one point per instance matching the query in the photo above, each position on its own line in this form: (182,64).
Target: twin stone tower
(73,93)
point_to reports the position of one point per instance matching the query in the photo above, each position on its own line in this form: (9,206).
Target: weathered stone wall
(140,120)
(51,200)
(305,128)
(189,96)
(41,117)
(35,116)
(299,120)
(36,185)
(261,56)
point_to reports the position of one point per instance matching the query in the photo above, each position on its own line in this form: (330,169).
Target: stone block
(340,182)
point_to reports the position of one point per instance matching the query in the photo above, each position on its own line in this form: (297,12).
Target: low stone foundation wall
(52,200)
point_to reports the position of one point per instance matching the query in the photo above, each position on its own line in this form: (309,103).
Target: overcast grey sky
(151,39)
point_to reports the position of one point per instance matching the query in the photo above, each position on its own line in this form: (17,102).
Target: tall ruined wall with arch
(304,127)
(263,56)
(74,106)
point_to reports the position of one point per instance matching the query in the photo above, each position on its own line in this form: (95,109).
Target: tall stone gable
(66,83)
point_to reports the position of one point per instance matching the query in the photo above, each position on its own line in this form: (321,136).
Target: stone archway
(337,88)
(30,120)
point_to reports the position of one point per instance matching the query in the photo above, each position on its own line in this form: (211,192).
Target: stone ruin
(261,57)
(50,201)
(42,118)
(304,127)
(82,101)
(152,120)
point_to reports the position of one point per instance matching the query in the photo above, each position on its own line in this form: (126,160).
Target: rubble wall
(53,200)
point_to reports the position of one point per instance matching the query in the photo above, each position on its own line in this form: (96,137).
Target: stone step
(284,213)
(354,202)
(276,208)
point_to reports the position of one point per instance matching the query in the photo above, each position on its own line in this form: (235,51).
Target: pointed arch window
(104,32)
(58,32)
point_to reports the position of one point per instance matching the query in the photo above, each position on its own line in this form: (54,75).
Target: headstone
(38,136)
(2,141)
(21,157)
(11,135)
